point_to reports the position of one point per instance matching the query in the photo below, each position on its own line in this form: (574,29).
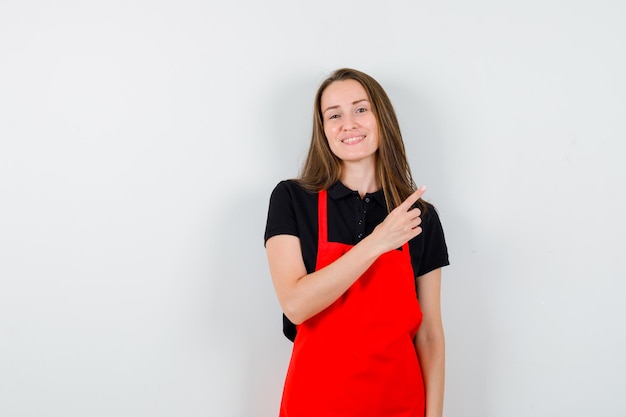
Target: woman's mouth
(352,140)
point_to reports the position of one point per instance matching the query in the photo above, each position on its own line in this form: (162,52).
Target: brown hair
(322,168)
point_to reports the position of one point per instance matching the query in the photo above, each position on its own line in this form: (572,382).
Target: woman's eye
(361,110)
(333,116)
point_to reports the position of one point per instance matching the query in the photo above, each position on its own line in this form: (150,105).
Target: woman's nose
(349,122)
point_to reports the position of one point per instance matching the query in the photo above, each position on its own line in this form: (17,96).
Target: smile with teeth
(352,140)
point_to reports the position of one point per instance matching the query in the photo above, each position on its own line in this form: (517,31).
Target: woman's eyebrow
(337,106)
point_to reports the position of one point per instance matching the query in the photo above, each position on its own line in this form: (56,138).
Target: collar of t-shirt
(338,191)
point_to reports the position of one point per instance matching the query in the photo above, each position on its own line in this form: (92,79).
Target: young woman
(355,256)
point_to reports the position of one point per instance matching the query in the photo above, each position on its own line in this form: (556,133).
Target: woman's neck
(360,177)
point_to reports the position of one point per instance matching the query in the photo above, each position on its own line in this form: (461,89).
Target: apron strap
(322,217)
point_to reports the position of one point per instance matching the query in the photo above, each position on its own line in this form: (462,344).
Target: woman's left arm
(430,343)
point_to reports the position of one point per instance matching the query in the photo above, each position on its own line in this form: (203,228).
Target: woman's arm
(303,295)
(430,343)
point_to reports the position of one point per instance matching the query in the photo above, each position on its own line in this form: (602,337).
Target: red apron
(356,358)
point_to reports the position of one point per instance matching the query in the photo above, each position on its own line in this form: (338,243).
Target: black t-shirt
(293,211)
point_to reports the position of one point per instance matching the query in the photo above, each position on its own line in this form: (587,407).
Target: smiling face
(350,125)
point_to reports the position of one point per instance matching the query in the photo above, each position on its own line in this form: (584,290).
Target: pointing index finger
(408,203)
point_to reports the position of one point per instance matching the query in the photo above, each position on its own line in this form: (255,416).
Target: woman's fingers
(412,199)
(416,222)
(402,224)
(413,214)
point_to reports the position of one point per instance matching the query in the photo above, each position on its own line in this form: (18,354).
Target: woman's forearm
(430,342)
(303,297)
(431,352)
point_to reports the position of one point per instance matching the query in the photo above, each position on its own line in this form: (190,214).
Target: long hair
(322,168)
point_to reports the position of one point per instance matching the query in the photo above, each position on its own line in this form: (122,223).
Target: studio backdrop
(140,141)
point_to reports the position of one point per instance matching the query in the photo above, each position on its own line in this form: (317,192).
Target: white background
(140,140)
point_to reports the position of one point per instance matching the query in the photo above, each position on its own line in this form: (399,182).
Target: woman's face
(349,123)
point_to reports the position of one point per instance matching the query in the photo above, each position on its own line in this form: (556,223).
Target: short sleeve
(281,216)
(433,250)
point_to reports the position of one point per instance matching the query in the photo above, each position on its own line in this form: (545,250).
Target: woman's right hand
(400,226)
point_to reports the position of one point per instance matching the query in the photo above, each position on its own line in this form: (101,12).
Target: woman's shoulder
(292,188)
(291,208)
